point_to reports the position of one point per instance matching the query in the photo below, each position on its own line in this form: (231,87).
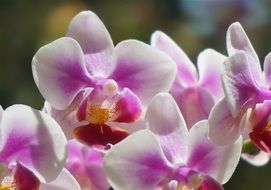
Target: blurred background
(193,24)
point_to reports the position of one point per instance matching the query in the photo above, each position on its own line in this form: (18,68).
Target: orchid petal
(65,118)
(258,116)
(127,107)
(25,179)
(195,104)
(93,135)
(141,67)
(89,31)
(259,159)
(165,120)
(267,70)
(34,139)
(209,183)
(237,40)
(137,163)
(187,73)
(210,65)
(218,162)
(59,71)
(86,165)
(239,85)
(224,129)
(64,181)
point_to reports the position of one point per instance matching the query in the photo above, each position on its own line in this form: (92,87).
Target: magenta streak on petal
(200,158)
(155,170)
(127,107)
(25,179)
(73,77)
(195,104)
(16,145)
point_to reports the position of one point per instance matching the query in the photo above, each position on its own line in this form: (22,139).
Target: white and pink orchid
(88,83)
(246,108)
(168,156)
(194,91)
(32,151)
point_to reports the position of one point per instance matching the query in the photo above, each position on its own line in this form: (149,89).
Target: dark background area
(193,24)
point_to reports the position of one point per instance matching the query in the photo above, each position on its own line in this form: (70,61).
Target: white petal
(165,120)
(64,181)
(218,162)
(137,163)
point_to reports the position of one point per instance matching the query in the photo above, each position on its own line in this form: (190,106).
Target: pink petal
(209,183)
(195,104)
(127,106)
(143,69)
(237,40)
(267,70)
(239,85)
(86,165)
(25,179)
(137,162)
(224,129)
(218,162)
(187,73)
(34,139)
(64,181)
(210,65)
(89,31)
(164,119)
(59,72)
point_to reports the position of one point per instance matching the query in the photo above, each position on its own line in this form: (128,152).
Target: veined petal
(100,135)
(86,165)
(237,40)
(210,65)
(239,85)
(165,120)
(59,71)
(187,73)
(195,104)
(223,128)
(64,181)
(34,139)
(127,107)
(267,70)
(143,69)
(89,31)
(218,162)
(137,163)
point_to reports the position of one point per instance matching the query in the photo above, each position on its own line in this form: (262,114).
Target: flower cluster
(137,116)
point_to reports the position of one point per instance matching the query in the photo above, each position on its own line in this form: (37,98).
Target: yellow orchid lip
(97,115)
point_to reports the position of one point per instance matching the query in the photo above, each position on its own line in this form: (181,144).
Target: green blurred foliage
(29,24)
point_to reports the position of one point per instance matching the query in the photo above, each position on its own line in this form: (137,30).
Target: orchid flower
(86,165)
(32,150)
(168,156)
(88,83)
(195,93)
(246,108)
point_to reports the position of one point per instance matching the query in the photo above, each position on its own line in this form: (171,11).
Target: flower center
(97,115)
(8,184)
